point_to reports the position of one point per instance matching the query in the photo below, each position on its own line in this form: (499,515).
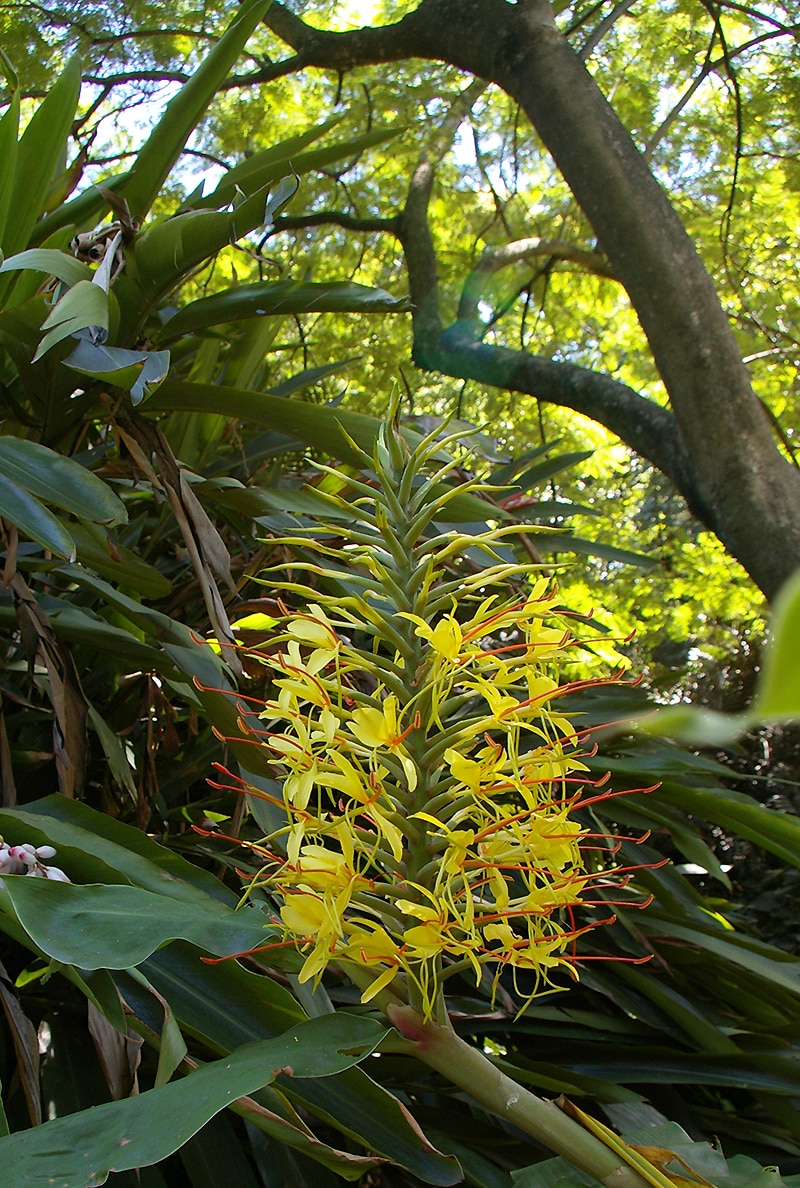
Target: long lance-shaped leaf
(167,141)
(81,1151)
(60,480)
(323,428)
(280,297)
(83,211)
(34,520)
(284,152)
(50,261)
(226,1005)
(168,251)
(40,150)
(316,425)
(263,169)
(9,131)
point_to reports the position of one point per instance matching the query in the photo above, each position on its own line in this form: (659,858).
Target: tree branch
(524,249)
(648,429)
(337,218)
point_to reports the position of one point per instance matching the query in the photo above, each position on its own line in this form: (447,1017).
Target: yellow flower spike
(429,786)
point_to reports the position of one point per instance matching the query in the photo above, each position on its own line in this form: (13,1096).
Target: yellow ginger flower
(429,829)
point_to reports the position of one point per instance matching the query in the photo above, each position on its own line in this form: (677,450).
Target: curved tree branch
(336,218)
(524,249)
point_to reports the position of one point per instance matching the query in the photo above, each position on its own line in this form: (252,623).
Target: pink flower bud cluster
(29,860)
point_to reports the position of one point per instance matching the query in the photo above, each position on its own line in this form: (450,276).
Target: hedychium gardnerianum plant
(429,782)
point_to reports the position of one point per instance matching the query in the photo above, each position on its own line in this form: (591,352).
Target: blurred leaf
(9,132)
(777,696)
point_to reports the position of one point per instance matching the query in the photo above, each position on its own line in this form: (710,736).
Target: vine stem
(437,1045)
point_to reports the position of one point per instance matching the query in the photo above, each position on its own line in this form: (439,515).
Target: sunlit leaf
(40,150)
(280,297)
(158,155)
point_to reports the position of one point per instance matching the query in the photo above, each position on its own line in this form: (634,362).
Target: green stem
(438,1046)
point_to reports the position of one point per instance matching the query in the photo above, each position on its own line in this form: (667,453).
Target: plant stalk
(438,1046)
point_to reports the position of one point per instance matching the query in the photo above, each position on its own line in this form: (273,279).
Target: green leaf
(80,1151)
(40,151)
(88,208)
(281,297)
(167,140)
(228,1005)
(9,131)
(120,565)
(100,849)
(283,155)
(565,542)
(58,479)
(34,520)
(535,476)
(778,695)
(202,668)
(83,306)
(262,169)
(66,268)
(140,372)
(114,751)
(171,249)
(102,927)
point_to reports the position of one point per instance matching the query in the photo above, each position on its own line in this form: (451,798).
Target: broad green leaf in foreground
(140,372)
(102,927)
(55,263)
(82,307)
(80,1151)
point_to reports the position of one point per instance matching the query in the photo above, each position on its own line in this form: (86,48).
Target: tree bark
(719,449)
